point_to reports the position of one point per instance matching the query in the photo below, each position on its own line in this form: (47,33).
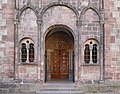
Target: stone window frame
(23,53)
(86,54)
(27,42)
(92,43)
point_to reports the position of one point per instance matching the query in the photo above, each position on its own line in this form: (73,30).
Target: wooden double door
(59,64)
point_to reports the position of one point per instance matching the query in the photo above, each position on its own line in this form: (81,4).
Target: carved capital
(16,21)
(78,22)
(39,21)
(102,22)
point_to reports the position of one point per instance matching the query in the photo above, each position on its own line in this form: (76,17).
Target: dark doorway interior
(59,45)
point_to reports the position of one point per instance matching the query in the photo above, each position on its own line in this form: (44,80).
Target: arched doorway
(59,49)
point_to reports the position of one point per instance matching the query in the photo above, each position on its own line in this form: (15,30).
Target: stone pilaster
(78,53)
(39,23)
(16,23)
(102,51)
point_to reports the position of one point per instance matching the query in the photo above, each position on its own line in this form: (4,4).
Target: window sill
(25,63)
(91,64)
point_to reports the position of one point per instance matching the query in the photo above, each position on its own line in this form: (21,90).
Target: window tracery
(27,51)
(91,51)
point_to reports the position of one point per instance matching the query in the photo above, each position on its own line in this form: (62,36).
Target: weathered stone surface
(84,20)
(50,88)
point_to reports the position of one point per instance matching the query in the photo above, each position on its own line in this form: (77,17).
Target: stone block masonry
(83,20)
(3,32)
(6,38)
(112,29)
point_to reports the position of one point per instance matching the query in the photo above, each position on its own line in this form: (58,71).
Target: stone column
(102,52)
(101,4)
(27,46)
(17,4)
(16,52)
(91,47)
(39,22)
(78,65)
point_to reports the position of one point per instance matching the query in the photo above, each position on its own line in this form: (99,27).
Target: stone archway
(59,47)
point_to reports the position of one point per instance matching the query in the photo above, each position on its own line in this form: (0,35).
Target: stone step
(58,89)
(59,85)
(59,92)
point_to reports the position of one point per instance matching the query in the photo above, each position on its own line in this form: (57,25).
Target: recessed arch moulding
(58,15)
(62,16)
(27,30)
(91,30)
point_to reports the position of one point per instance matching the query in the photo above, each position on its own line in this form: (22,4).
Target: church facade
(60,40)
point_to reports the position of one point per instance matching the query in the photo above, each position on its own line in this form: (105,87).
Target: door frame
(71,34)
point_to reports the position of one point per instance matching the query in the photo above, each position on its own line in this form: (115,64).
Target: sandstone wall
(112,39)
(87,23)
(6,39)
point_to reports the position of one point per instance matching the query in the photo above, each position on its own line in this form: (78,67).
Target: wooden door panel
(60,59)
(55,65)
(64,64)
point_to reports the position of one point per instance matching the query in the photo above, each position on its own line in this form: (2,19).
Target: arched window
(27,51)
(23,53)
(94,53)
(31,52)
(87,54)
(91,51)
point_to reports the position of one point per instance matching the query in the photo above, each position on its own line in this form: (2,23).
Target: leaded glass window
(91,51)
(27,51)
(87,54)
(31,52)
(94,53)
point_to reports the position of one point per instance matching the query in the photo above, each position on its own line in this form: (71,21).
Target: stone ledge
(90,64)
(32,63)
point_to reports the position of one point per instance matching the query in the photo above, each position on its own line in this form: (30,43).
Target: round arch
(92,38)
(60,26)
(25,7)
(96,38)
(92,8)
(59,4)
(25,38)
(59,44)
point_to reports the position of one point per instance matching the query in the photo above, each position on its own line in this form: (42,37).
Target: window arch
(91,51)
(87,54)
(27,51)
(31,52)
(23,52)
(94,53)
